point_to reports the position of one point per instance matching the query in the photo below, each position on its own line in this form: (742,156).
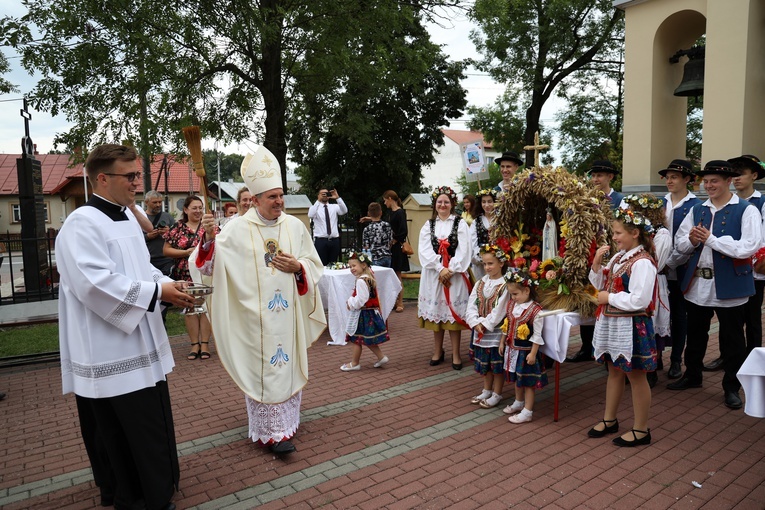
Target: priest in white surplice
(115,354)
(266,309)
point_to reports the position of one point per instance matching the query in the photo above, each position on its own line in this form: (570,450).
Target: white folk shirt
(477,262)
(263,327)
(676,258)
(757,194)
(613,335)
(431,304)
(110,343)
(316,213)
(662,243)
(491,337)
(702,292)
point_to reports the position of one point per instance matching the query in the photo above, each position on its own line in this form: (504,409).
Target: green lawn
(44,338)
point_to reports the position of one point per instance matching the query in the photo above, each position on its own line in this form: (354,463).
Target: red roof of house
(460,137)
(57,172)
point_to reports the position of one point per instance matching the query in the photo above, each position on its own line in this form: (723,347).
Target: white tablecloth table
(556,332)
(337,285)
(752,377)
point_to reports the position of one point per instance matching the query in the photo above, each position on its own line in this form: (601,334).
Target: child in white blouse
(485,314)
(365,323)
(523,363)
(624,336)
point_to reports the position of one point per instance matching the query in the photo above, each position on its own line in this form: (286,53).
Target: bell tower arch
(734,82)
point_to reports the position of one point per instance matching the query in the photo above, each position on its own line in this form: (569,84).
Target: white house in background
(448,165)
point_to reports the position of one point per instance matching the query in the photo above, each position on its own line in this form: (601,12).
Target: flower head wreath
(630,217)
(361,257)
(520,276)
(495,250)
(443,190)
(487,193)
(645,201)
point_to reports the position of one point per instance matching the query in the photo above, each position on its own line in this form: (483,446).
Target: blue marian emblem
(278,303)
(280,358)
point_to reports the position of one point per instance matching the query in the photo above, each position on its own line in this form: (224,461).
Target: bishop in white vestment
(265,309)
(115,354)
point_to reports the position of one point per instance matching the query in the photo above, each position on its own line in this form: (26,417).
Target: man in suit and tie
(326,232)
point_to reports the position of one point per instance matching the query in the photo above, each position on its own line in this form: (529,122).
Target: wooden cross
(536,148)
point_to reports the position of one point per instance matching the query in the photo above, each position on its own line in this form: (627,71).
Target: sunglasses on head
(130,177)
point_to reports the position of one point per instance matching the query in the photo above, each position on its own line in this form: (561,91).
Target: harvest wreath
(540,207)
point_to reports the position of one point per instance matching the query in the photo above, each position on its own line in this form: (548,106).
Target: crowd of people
(678,262)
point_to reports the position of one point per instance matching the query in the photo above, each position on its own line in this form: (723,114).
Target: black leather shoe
(438,361)
(653,378)
(609,429)
(282,448)
(646,439)
(580,356)
(457,366)
(732,400)
(683,384)
(675,371)
(714,365)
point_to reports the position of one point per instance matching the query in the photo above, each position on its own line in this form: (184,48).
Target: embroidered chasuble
(113,341)
(262,326)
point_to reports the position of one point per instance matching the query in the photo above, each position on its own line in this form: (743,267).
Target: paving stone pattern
(402,436)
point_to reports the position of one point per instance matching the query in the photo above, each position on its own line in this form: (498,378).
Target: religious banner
(474,161)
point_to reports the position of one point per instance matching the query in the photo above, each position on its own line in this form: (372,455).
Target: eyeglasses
(130,177)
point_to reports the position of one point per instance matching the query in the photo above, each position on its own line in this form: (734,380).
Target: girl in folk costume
(444,285)
(365,323)
(523,362)
(624,337)
(485,314)
(483,212)
(652,208)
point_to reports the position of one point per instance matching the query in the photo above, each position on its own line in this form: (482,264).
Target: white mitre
(261,171)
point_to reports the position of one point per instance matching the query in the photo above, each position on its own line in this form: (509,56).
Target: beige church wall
(655,119)
(735,124)
(734,82)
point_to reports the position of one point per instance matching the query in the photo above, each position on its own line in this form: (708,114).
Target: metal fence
(12,259)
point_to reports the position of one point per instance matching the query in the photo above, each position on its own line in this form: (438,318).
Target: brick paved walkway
(403,436)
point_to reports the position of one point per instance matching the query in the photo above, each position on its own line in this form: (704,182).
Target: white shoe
(520,418)
(480,398)
(381,362)
(350,368)
(490,402)
(517,407)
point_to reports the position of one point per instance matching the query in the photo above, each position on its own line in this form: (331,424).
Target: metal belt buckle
(706,273)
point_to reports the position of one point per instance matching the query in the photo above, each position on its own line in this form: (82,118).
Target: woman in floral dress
(180,242)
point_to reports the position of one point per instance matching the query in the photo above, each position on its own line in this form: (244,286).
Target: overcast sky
(453,35)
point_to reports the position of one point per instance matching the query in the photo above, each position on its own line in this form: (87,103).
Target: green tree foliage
(589,129)
(536,45)
(502,123)
(6,87)
(230,166)
(471,188)
(378,123)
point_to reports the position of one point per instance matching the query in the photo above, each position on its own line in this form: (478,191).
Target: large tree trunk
(272,90)
(532,126)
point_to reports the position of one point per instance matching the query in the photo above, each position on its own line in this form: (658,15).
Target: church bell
(693,73)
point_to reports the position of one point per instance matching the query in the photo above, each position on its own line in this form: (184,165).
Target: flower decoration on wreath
(520,276)
(442,190)
(361,257)
(582,218)
(630,217)
(495,250)
(486,193)
(650,206)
